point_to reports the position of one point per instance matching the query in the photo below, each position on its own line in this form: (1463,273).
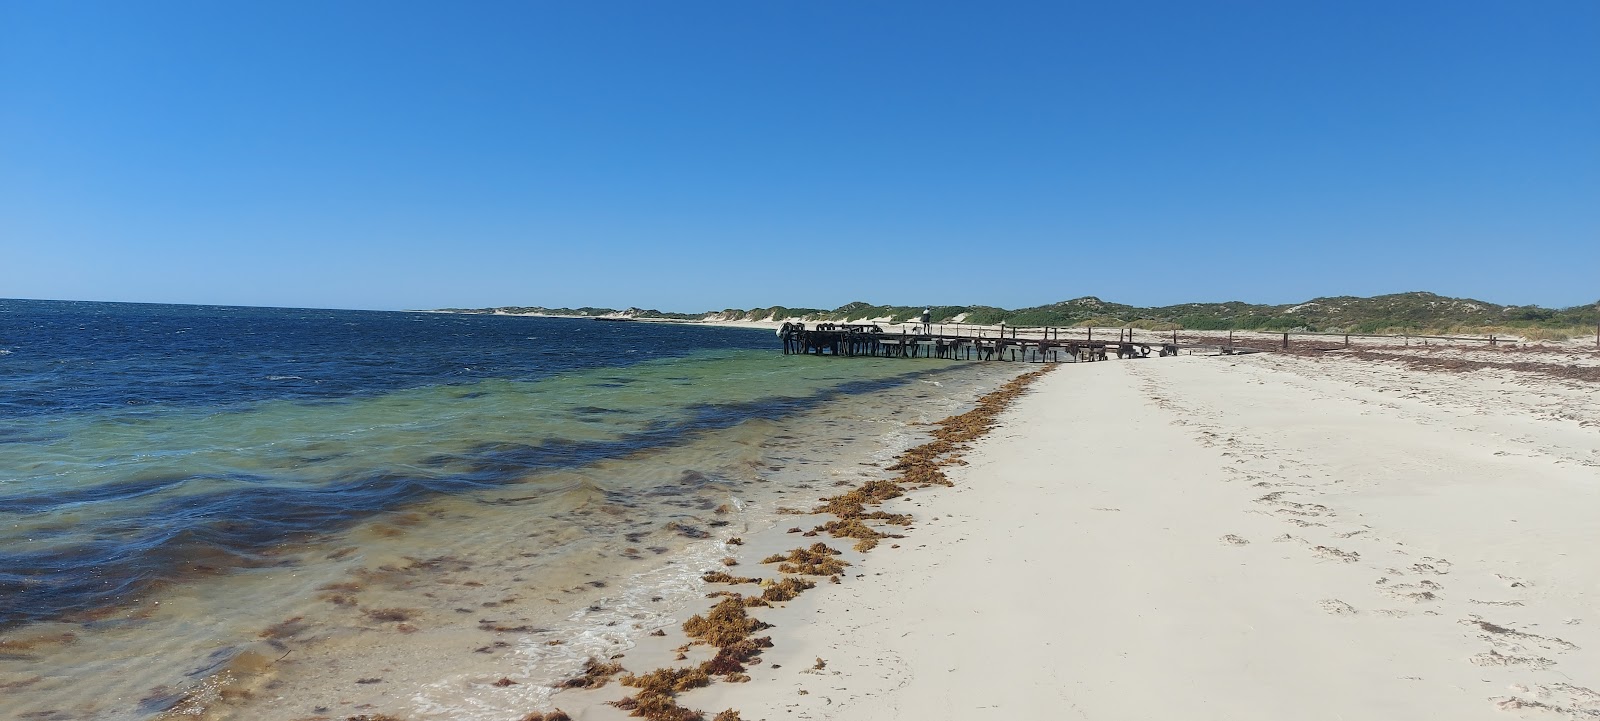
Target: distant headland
(1397,312)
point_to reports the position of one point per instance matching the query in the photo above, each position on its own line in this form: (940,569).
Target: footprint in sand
(1495,658)
(1563,698)
(1513,581)
(1435,566)
(1514,641)
(1419,592)
(1334,553)
(1336,607)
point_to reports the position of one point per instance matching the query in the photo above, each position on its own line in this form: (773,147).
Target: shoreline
(1201,547)
(844,531)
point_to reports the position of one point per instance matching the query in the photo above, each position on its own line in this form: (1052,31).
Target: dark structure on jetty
(1010,344)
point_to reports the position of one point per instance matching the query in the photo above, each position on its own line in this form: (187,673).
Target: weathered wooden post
(1286,340)
(1347,340)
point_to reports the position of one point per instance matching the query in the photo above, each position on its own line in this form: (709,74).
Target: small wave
(4,352)
(285,378)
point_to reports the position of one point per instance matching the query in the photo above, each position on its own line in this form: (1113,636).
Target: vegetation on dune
(1416,312)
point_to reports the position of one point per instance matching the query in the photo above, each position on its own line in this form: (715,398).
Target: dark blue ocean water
(141,443)
(66,357)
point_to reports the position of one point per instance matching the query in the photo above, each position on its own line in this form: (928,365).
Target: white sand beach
(1253,537)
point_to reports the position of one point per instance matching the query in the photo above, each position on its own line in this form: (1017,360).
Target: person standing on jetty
(927,321)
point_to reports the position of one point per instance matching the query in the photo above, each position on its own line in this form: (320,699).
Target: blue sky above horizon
(696,155)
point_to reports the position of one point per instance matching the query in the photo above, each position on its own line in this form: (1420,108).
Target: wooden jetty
(1078,344)
(1008,344)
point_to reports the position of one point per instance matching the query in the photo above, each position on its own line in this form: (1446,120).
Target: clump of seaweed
(596,673)
(728,715)
(730,659)
(818,560)
(724,625)
(785,589)
(654,701)
(866,537)
(724,577)
(667,681)
(556,715)
(852,504)
(730,561)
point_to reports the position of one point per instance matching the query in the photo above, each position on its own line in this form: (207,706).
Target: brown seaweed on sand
(556,715)
(728,626)
(724,577)
(655,699)
(785,589)
(730,659)
(724,625)
(595,674)
(818,560)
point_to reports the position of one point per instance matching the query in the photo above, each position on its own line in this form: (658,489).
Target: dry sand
(1255,537)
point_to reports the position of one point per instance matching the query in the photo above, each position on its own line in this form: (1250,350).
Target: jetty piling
(1050,345)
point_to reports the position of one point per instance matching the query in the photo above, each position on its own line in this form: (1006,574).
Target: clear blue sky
(697,155)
